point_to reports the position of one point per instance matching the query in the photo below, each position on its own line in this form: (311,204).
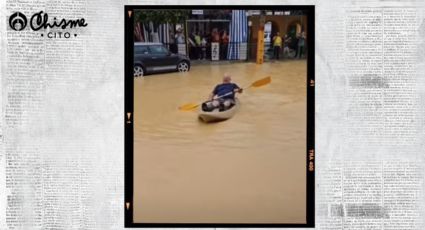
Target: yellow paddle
(258,83)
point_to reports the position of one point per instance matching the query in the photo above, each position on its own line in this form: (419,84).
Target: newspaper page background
(62,134)
(369,115)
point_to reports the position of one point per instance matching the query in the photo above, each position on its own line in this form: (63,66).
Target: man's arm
(212,94)
(237,89)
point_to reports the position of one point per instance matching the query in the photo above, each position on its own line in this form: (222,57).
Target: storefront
(289,23)
(208,38)
(217,35)
(221,34)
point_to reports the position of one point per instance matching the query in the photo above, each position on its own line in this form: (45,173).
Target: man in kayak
(223,95)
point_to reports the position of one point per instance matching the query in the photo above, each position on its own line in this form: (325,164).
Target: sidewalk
(225,62)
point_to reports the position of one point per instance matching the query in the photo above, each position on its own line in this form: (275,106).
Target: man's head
(277,33)
(227,78)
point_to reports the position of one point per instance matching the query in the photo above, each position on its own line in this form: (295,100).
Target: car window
(158,49)
(141,50)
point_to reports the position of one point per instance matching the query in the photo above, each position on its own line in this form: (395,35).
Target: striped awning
(164,33)
(238,35)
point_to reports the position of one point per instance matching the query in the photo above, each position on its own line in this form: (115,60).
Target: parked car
(154,57)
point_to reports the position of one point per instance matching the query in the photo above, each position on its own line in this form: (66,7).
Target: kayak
(217,115)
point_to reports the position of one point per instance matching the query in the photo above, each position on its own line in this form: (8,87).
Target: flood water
(250,168)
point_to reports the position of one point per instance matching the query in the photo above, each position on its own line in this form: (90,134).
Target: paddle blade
(188,107)
(261,82)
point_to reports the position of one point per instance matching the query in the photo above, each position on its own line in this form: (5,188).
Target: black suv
(154,57)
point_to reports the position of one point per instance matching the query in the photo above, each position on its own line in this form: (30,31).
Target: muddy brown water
(248,169)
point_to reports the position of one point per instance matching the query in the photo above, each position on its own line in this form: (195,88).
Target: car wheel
(183,66)
(138,71)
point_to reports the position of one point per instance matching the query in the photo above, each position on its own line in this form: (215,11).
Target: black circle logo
(18,21)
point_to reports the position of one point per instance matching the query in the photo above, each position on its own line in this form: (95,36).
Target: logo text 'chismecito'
(57,28)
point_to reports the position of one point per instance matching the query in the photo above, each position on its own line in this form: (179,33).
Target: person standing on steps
(301,44)
(277,45)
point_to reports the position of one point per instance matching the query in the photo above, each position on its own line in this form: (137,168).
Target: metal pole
(186,39)
(249,41)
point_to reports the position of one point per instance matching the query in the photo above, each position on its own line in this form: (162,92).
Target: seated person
(223,95)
